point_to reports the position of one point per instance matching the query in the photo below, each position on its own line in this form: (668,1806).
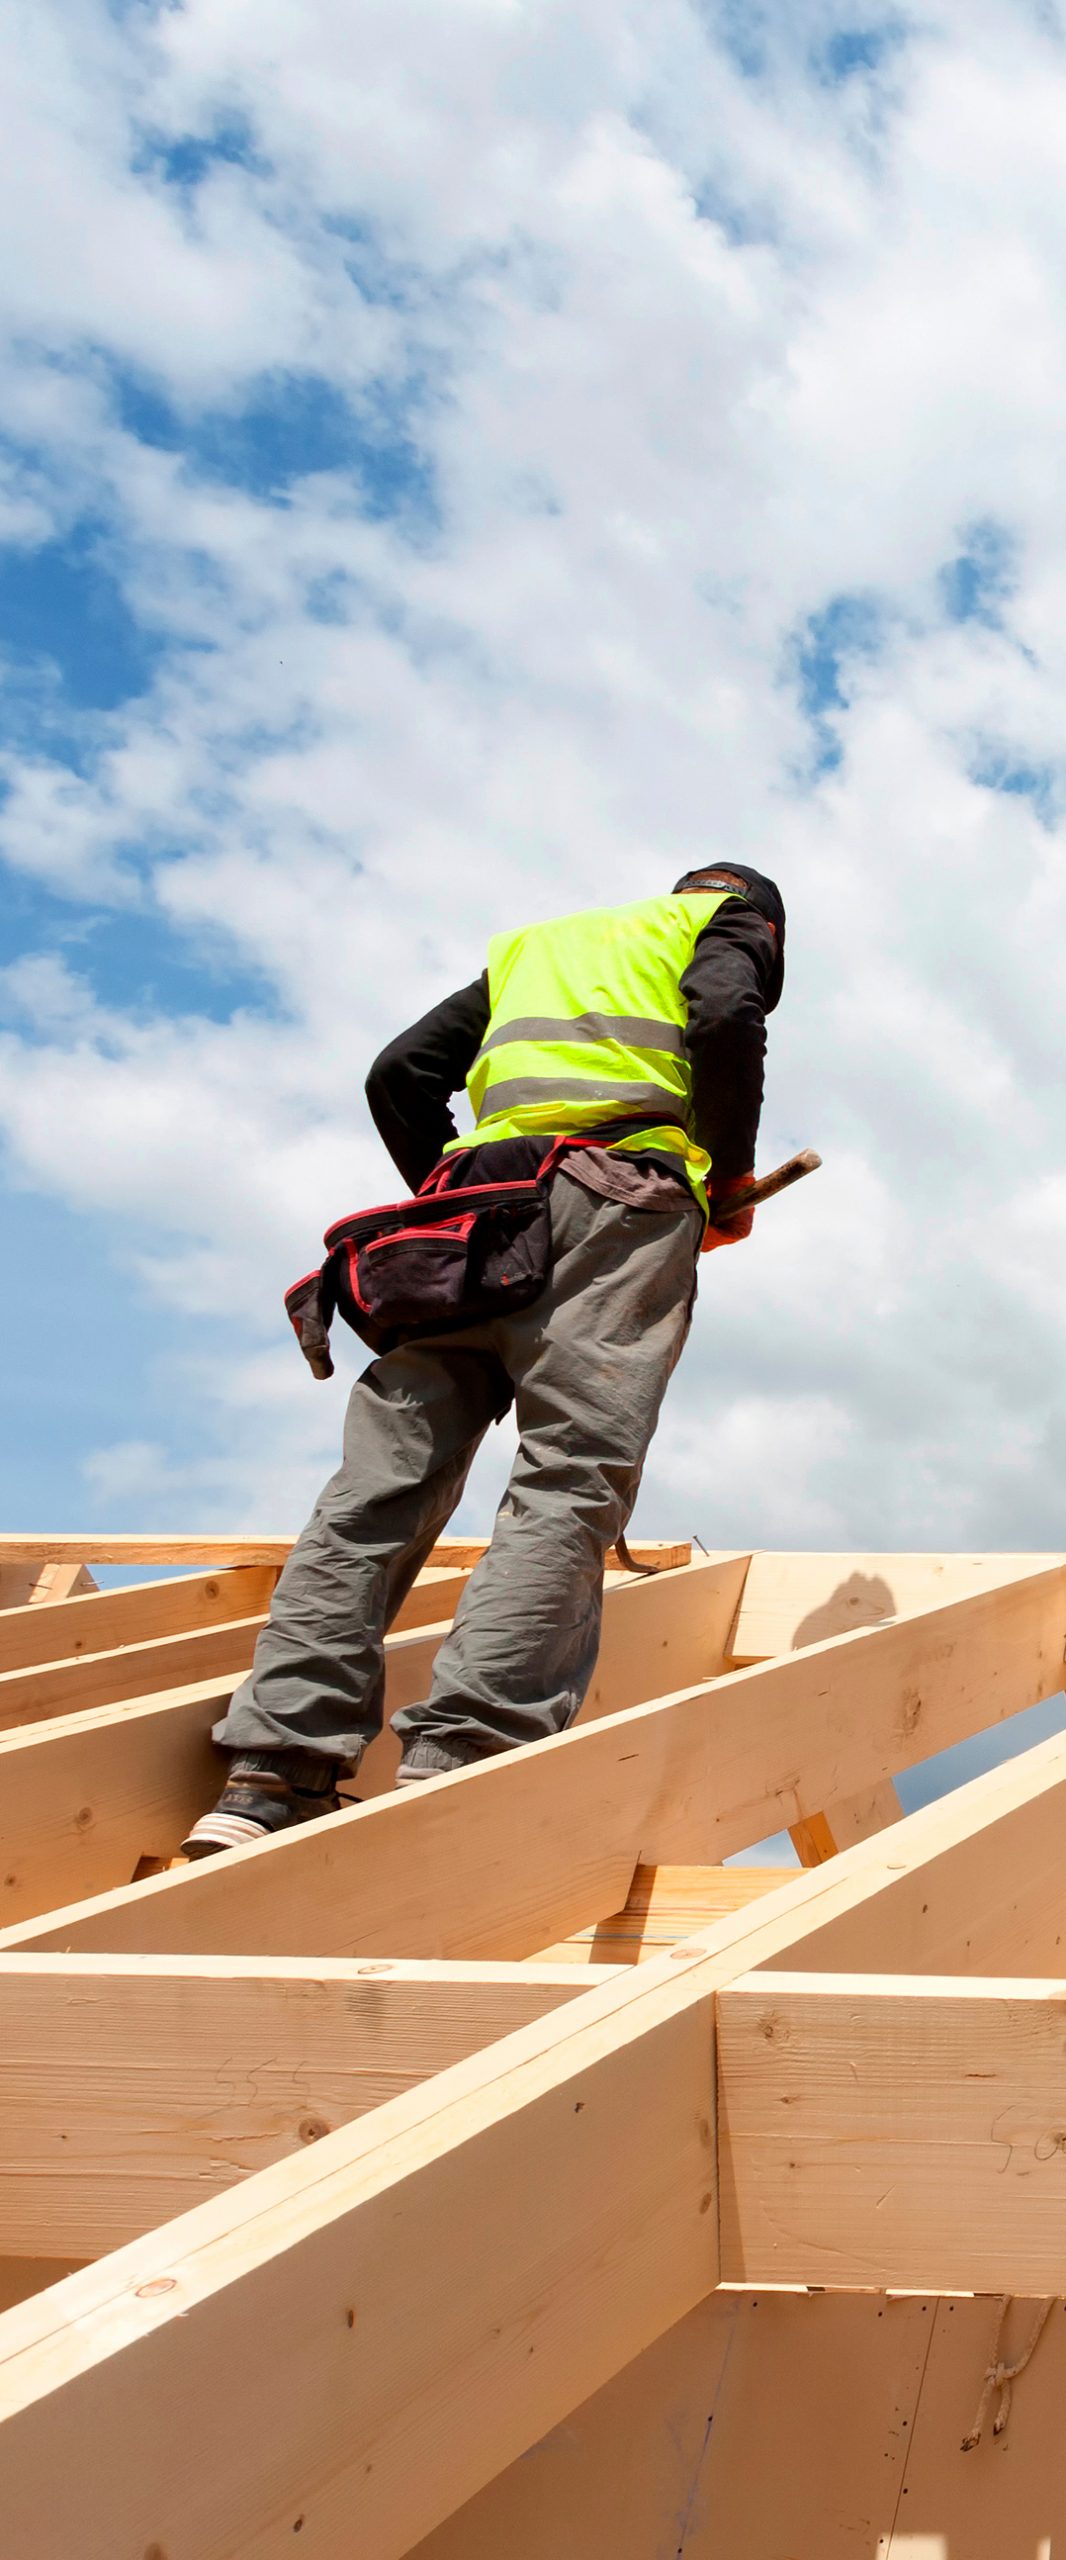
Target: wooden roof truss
(379,2151)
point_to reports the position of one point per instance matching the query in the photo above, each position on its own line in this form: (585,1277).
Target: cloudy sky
(462,462)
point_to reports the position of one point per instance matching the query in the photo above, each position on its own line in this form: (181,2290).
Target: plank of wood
(851,1818)
(60,1582)
(664,1904)
(659,1555)
(101,1620)
(182,1549)
(514,1855)
(987,1895)
(133,2093)
(27,1585)
(793,1600)
(885,2132)
(580,2150)
(86,1799)
(179,1549)
(119,1785)
(138,1662)
(134,1671)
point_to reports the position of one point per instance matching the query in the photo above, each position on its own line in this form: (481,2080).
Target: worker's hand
(738,1228)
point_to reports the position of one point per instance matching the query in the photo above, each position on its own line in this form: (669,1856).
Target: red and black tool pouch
(455,1254)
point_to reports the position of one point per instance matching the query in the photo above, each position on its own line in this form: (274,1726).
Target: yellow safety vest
(587,1026)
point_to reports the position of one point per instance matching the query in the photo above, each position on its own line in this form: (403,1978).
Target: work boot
(265,1792)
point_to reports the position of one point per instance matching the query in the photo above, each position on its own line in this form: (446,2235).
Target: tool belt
(455,1254)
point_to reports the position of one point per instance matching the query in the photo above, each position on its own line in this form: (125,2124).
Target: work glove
(738,1228)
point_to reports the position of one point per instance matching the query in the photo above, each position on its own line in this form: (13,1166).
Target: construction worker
(641,1029)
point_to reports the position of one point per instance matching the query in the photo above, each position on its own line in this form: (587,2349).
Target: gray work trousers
(588,1364)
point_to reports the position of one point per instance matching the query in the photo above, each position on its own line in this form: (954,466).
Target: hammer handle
(771,1184)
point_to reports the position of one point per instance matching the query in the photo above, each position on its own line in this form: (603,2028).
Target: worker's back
(587,1024)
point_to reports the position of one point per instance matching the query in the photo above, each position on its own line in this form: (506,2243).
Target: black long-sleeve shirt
(726,987)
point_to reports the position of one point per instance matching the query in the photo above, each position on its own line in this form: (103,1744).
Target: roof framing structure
(503,2114)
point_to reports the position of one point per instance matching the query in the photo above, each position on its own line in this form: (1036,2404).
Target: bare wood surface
(510,1857)
(26,1583)
(184,1549)
(725,2441)
(134,1671)
(839,1825)
(884,2132)
(664,1904)
(133,2093)
(85,1798)
(101,1620)
(99,1672)
(776,2426)
(793,1600)
(104,1620)
(987,1895)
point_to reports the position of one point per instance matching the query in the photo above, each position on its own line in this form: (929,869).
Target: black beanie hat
(763,894)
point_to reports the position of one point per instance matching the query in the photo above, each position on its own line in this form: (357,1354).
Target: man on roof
(635,1036)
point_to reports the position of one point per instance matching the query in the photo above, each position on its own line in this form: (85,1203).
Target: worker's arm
(410,1086)
(726,987)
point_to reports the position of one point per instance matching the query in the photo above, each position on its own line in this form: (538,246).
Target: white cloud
(684,354)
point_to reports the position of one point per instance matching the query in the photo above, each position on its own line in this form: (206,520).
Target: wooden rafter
(99,1547)
(119,1785)
(533,1846)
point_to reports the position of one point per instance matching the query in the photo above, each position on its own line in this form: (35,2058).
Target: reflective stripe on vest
(630,1028)
(587,1025)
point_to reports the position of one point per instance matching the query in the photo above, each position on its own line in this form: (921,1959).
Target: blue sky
(447,472)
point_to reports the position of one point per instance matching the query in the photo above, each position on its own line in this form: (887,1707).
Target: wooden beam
(100,1620)
(524,1850)
(103,1620)
(28,1585)
(134,1671)
(664,1904)
(883,2132)
(86,1799)
(133,2093)
(661,1554)
(852,1818)
(972,1885)
(179,1550)
(794,1600)
(146,1669)
(117,1786)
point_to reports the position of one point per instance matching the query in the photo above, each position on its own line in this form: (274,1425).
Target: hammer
(767,1189)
